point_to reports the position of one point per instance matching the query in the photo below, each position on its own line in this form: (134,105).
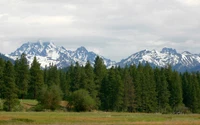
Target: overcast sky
(112,28)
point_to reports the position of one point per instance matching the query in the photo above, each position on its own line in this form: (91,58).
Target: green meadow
(96,118)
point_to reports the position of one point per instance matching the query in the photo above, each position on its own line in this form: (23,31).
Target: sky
(114,29)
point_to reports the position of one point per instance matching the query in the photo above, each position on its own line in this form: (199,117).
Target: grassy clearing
(95,118)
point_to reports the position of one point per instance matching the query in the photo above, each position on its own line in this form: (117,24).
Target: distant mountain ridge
(167,56)
(6,58)
(48,53)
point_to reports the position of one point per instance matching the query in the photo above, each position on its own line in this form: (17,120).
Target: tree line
(131,89)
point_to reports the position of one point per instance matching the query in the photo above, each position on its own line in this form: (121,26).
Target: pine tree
(118,91)
(10,90)
(2,63)
(149,90)
(104,94)
(100,73)
(162,91)
(76,78)
(64,84)
(191,91)
(187,89)
(22,75)
(175,88)
(36,79)
(129,92)
(52,75)
(112,91)
(90,84)
(139,80)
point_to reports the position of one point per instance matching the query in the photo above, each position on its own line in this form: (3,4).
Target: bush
(82,101)
(37,108)
(15,106)
(1,104)
(50,98)
(181,109)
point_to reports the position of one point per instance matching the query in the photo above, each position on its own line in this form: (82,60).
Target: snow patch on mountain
(48,53)
(167,56)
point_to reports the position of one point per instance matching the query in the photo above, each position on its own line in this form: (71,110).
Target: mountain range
(48,53)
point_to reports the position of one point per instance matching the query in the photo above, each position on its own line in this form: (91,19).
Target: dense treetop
(131,89)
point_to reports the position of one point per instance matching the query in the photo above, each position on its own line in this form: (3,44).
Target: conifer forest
(94,87)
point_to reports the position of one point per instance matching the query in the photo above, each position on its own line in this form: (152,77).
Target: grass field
(95,118)
(92,118)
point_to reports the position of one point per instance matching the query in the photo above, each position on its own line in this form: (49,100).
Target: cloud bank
(113,28)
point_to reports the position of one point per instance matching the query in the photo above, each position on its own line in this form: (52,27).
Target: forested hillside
(131,89)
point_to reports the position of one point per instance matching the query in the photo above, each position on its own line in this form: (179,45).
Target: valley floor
(96,118)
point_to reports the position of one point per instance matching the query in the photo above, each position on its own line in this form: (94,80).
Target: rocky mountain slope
(167,56)
(48,53)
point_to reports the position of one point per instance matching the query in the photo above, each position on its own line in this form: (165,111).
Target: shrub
(82,101)
(15,106)
(50,97)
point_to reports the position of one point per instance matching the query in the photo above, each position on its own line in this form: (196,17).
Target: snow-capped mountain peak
(179,61)
(82,49)
(168,50)
(186,53)
(48,53)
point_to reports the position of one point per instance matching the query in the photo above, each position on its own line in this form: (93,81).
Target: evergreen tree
(118,91)
(195,94)
(104,94)
(187,89)
(162,91)
(64,84)
(129,92)
(76,78)
(36,79)
(100,73)
(10,90)
(139,80)
(22,75)
(2,87)
(112,91)
(175,88)
(191,91)
(90,85)
(52,75)
(149,90)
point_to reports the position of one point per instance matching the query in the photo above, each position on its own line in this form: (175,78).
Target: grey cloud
(106,25)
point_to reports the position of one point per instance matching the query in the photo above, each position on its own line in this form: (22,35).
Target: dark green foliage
(52,75)
(2,86)
(129,92)
(175,88)
(112,91)
(191,91)
(22,75)
(10,89)
(163,93)
(64,85)
(76,78)
(149,94)
(100,72)
(36,79)
(133,89)
(90,85)
(82,101)
(50,97)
